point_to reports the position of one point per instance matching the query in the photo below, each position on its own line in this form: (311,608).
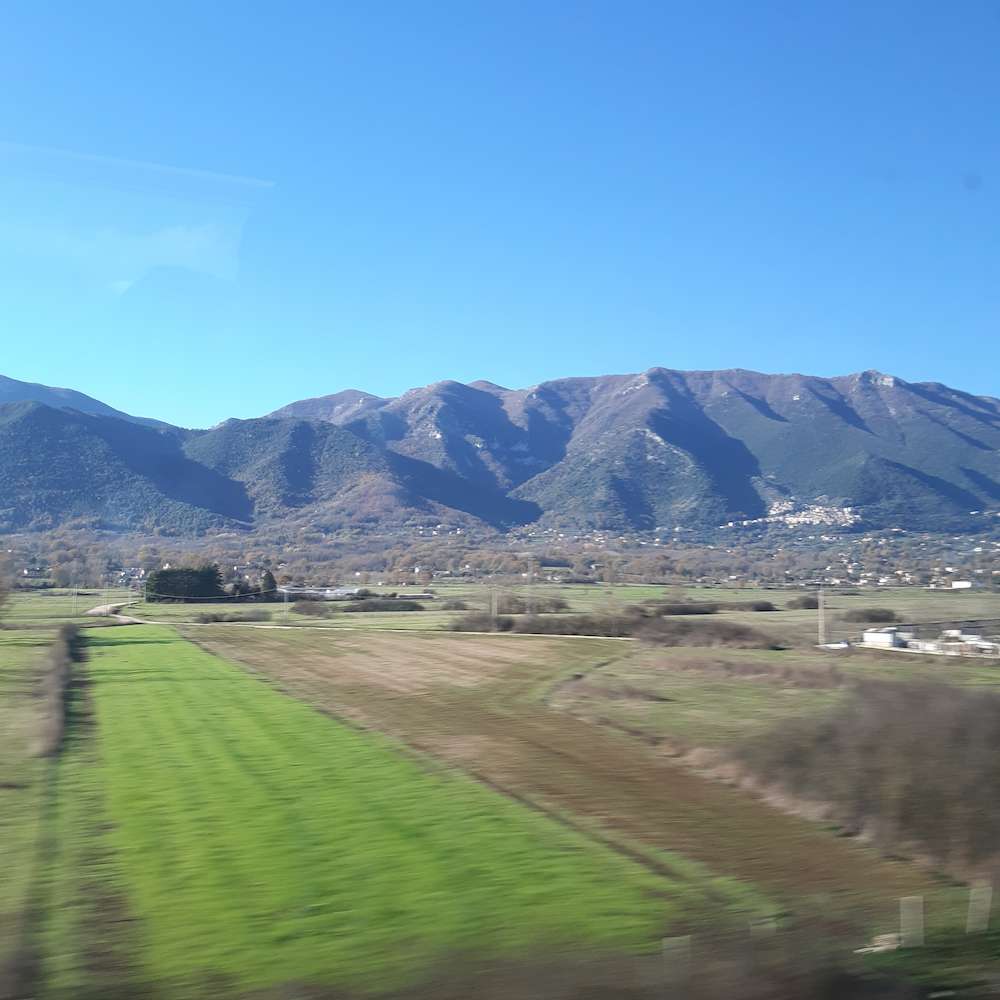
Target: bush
(549,605)
(681,632)
(762,606)
(872,616)
(683,608)
(804,603)
(482,621)
(65,651)
(316,609)
(383,604)
(252,615)
(454,606)
(508,604)
(632,621)
(912,764)
(609,625)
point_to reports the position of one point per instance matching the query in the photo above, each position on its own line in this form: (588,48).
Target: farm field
(478,702)
(791,626)
(210,834)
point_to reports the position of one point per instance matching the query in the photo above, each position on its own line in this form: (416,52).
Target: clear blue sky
(212,209)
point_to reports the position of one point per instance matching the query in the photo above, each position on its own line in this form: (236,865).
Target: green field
(31,608)
(252,841)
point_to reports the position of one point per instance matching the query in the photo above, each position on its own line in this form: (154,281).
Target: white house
(883,638)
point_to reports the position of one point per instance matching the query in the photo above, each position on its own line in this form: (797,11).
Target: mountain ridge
(649,451)
(13,390)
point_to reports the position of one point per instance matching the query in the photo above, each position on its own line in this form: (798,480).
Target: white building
(883,638)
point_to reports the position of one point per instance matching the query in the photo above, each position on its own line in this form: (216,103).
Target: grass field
(246,840)
(52,607)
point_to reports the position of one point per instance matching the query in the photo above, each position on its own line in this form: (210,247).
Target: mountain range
(655,451)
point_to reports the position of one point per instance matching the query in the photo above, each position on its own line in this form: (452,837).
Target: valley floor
(246,813)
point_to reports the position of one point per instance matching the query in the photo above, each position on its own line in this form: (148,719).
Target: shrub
(383,604)
(912,764)
(872,616)
(762,606)
(482,621)
(64,652)
(549,605)
(252,615)
(609,625)
(316,609)
(632,621)
(805,603)
(454,606)
(508,604)
(685,632)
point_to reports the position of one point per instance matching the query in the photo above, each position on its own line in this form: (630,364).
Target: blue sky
(209,210)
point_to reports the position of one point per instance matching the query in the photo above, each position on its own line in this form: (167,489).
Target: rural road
(106,610)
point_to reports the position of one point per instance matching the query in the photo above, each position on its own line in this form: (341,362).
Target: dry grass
(913,765)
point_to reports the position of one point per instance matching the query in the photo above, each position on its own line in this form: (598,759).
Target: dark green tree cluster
(184,584)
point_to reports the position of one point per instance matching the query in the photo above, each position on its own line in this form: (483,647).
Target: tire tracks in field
(577,676)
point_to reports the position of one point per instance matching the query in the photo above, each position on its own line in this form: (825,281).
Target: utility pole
(285,594)
(822,617)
